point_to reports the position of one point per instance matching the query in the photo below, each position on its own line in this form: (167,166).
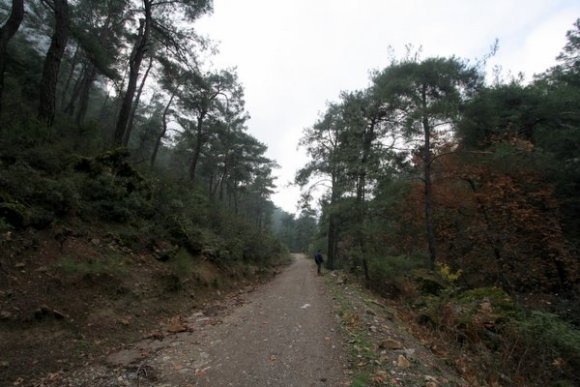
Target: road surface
(286,335)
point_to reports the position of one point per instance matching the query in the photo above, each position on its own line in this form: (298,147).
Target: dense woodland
(130,188)
(456,193)
(110,113)
(457,196)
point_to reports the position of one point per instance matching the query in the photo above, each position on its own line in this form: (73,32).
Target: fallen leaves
(403,362)
(200,373)
(391,344)
(178,324)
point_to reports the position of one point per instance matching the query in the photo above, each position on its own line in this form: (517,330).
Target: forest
(110,113)
(461,197)
(127,172)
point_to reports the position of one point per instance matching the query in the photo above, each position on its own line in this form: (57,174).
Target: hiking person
(318,259)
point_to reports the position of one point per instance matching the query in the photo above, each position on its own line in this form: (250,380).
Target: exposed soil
(283,334)
(115,329)
(65,307)
(297,330)
(382,348)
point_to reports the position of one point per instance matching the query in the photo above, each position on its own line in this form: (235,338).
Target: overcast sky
(293,56)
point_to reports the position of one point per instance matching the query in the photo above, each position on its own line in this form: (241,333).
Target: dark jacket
(318,258)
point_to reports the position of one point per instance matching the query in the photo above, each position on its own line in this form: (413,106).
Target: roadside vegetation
(130,190)
(457,198)
(132,193)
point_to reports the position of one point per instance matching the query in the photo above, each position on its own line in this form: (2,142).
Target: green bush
(536,344)
(388,275)
(547,342)
(111,265)
(14,214)
(102,187)
(182,264)
(59,196)
(50,159)
(497,297)
(262,249)
(109,198)
(4,227)
(45,197)
(184,233)
(18,180)
(41,218)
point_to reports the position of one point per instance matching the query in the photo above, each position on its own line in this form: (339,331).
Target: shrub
(390,275)
(182,265)
(41,218)
(547,344)
(14,214)
(536,344)
(58,196)
(86,266)
(4,228)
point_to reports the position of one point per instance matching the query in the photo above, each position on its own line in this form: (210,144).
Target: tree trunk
(332,242)
(103,108)
(73,65)
(85,94)
(197,149)
(70,107)
(162,134)
(332,226)
(210,190)
(90,74)
(221,190)
(127,136)
(6,33)
(47,107)
(134,66)
(224,174)
(493,237)
(428,193)
(235,196)
(367,142)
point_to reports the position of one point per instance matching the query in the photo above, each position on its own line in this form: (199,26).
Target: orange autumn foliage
(499,226)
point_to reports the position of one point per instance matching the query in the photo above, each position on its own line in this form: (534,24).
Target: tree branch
(459,152)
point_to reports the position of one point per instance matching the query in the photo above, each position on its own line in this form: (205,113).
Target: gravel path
(285,333)
(285,336)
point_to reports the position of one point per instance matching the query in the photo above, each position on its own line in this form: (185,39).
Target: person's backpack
(318,258)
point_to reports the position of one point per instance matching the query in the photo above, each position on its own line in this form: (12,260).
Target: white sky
(293,56)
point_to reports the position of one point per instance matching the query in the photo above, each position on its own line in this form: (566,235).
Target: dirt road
(283,334)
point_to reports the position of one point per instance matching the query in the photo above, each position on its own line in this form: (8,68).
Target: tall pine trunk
(74,61)
(127,136)
(367,142)
(6,33)
(70,107)
(224,174)
(134,66)
(333,225)
(47,107)
(85,94)
(198,145)
(428,192)
(162,134)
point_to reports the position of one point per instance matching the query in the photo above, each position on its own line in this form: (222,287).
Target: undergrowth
(363,358)
(112,265)
(506,341)
(48,187)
